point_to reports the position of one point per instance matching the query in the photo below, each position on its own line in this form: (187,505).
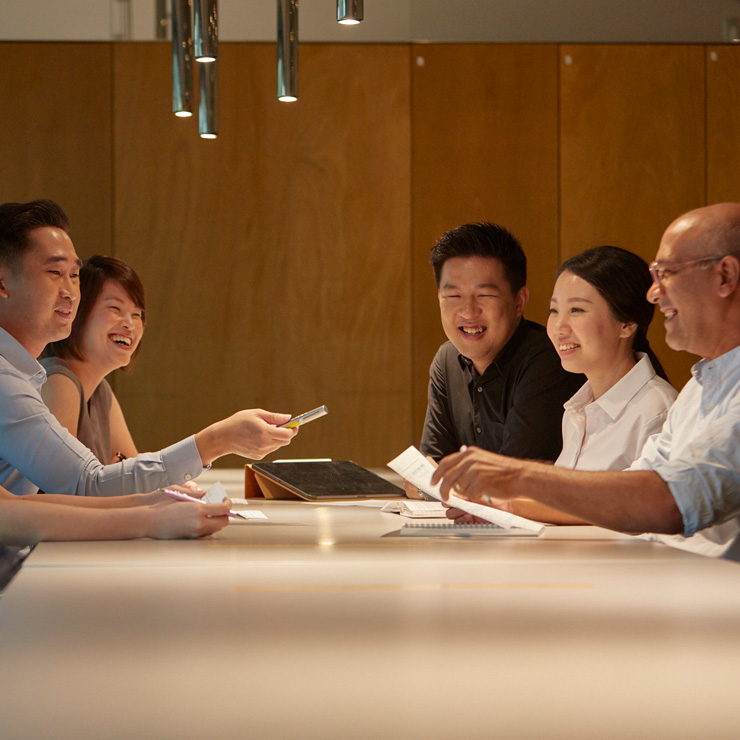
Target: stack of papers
(417,509)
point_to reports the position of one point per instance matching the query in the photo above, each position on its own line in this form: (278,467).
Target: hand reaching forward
(480,476)
(252,433)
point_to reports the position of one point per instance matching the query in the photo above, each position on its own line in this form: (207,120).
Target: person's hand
(252,433)
(410,489)
(172,519)
(192,489)
(156,497)
(476,475)
(462,517)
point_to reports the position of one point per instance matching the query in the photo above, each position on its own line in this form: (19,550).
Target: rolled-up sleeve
(704,477)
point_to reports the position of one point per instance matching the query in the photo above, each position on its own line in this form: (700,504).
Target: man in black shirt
(498,383)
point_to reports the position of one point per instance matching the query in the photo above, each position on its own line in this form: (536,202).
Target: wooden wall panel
(723,124)
(484,148)
(631,152)
(276,257)
(55,120)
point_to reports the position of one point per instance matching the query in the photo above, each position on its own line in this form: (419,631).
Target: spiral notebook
(450,529)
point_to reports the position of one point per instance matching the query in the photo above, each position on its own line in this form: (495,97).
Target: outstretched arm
(629,501)
(253,433)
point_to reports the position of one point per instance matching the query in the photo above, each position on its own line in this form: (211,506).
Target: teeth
(466,330)
(119,339)
(670,314)
(564,347)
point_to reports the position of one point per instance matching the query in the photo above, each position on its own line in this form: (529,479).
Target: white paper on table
(415,468)
(251,514)
(217,493)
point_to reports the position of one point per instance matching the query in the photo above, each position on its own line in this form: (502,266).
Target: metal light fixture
(350,12)
(287,50)
(182,58)
(207,119)
(205,25)
(731,29)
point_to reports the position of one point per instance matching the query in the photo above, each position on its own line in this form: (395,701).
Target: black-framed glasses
(660,272)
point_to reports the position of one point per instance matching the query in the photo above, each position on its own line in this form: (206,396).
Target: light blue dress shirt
(697,454)
(36,452)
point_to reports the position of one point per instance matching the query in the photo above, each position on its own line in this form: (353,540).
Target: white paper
(215,494)
(251,514)
(417,509)
(415,468)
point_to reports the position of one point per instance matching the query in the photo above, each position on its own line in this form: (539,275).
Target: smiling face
(113,330)
(586,335)
(41,293)
(686,297)
(478,308)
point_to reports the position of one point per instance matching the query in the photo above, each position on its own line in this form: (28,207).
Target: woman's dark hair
(623,280)
(94,274)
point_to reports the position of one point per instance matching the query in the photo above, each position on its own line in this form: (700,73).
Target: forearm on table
(22,523)
(90,502)
(631,501)
(531,509)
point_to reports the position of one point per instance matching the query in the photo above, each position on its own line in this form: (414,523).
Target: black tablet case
(319,480)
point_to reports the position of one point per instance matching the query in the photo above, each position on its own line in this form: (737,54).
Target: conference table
(322,621)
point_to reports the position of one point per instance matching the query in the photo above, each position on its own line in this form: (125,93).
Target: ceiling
(598,21)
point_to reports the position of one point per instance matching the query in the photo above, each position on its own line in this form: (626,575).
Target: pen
(184,497)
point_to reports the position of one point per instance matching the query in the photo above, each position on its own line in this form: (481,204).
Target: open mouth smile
(121,340)
(472,331)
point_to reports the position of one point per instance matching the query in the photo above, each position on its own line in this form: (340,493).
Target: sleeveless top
(93,423)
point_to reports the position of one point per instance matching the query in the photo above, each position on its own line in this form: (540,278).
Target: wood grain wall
(632,140)
(277,255)
(55,132)
(286,262)
(485,123)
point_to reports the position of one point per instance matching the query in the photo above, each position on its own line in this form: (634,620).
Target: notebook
(450,529)
(322,480)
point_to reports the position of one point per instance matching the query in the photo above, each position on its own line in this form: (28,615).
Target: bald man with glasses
(685,486)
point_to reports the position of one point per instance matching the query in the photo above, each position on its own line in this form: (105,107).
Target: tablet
(322,480)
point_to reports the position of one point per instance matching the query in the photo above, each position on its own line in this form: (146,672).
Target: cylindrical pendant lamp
(350,12)
(287,50)
(205,26)
(182,58)
(207,118)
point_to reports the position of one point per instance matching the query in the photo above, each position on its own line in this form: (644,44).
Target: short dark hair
(94,274)
(623,279)
(17,220)
(482,240)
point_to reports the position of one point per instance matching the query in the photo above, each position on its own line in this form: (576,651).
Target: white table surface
(324,623)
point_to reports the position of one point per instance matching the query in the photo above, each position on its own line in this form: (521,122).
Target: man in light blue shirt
(686,483)
(39,294)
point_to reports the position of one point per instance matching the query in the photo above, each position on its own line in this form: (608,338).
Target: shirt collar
(720,370)
(21,359)
(620,394)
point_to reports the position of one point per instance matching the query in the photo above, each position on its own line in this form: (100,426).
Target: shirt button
(478,429)
(480,390)
(188,477)
(708,406)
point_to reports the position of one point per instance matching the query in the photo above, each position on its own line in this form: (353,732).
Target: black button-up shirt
(514,408)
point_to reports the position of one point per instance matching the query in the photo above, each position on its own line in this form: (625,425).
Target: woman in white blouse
(599,317)
(598,323)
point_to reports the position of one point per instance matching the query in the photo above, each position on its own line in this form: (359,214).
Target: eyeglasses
(660,272)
